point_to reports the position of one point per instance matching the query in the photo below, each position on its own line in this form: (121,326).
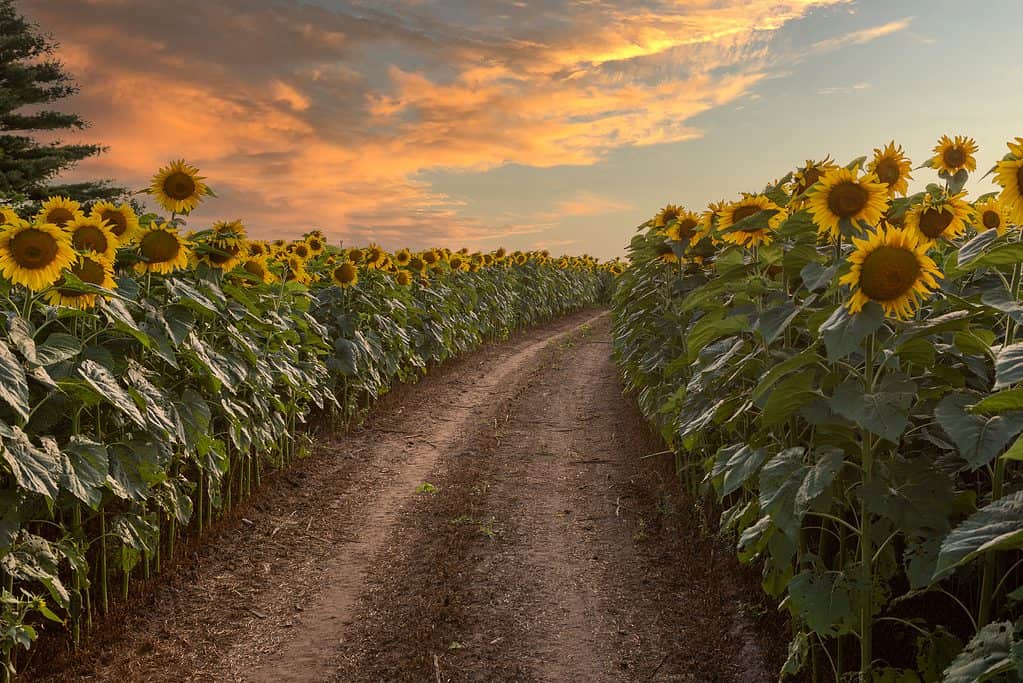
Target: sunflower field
(840,367)
(149,377)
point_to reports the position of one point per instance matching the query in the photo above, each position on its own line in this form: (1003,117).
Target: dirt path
(493,522)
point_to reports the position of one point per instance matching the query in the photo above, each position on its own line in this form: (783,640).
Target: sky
(528,124)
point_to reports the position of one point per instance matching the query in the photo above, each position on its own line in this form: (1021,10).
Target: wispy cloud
(862,36)
(844,89)
(303,116)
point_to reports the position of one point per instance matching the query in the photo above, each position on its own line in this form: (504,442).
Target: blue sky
(543,124)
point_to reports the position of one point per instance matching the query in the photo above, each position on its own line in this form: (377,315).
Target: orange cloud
(304,117)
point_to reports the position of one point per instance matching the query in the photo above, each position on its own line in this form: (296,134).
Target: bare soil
(497,521)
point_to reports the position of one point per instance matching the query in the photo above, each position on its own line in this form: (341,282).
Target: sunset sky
(557,124)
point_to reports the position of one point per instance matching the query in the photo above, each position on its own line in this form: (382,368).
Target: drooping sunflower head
(807,176)
(162,250)
(93,269)
(92,235)
(991,214)
(687,224)
(756,232)
(892,167)
(345,275)
(402,257)
(666,215)
(59,211)
(403,278)
(844,198)
(892,268)
(33,255)
(178,187)
(943,217)
(121,220)
(1009,174)
(951,156)
(662,252)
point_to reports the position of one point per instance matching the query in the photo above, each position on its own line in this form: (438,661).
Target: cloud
(327,115)
(844,89)
(863,36)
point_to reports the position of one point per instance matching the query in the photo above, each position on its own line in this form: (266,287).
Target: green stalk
(866,544)
(103,561)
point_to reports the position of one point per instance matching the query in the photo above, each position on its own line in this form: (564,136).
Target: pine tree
(31,77)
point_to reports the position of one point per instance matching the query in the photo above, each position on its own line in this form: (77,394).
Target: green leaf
(13,382)
(885,413)
(106,384)
(975,247)
(791,394)
(843,333)
(987,655)
(780,480)
(56,348)
(818,478)
(997,526)
(1004,255)
(87,466)
(825,600)
(815,276)
(739,465)
(711,327)
(979,438)
(1000,402)
(35,469)
(1009,365)
(799,361)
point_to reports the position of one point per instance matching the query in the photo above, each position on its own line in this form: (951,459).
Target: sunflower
(403,278)
(7,216)
(373,256)
(178,187)
(300,249)
(59,211)
(951,156)
(417,265)
(92,234)
(458,263)
(33,255)
(991,214)
(258,268)
(744,208)
(1009,174)
(430,257)
(806,177)
(162,249)
(892,268)
(666,215)
(662,252)
(891,167)
(934,218)
(402,257)
(93,269)
(258,249)
(227,245)
(316,243)
(844,194)
(346,275)
(121,220)
(685,227)
(521,259)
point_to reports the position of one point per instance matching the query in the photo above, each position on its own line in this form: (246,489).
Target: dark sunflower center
(87,271)
(374,255)
(179,185)
(456,263)
(315,245)
(301,250)
(934,221)
(226,253)
(417,264)
(954,157)
(888,273)
(255,268)
(847,199)
(744,212)
(59,216)
(33,249)
(810,177)
(160,246)
(991,219)
(430,258)
(118,223)
(888,171)
(90,238)
(685,228)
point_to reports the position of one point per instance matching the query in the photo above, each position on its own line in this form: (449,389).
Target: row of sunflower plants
(838,363)
(149,376)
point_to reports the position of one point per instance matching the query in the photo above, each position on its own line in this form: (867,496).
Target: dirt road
(495,522)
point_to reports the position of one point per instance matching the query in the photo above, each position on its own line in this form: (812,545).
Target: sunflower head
(891,167)
(991,214)
(662,252)
(686,226)
(403,278)
(258,249)
(402,257)
(754,232)
(417,265)
(938,217)
(345,275)
(7,216)
(501,252)
(666,215)
(121,220)
(373,255)
(178,187)
(521,259)
(458,262)
(59,211)
(354,255)
(92,269)
(1009,174)
(430,257)
(92,235)
(806,177)
(954,155)
(258,268)
(33,255)
(316,243)
(162,250)
(299,249)
(843,200)
(892,269)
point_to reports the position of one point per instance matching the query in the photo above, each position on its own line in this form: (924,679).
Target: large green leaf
(36,469)
(987,655)
(86,468)
(712,327)
(885,412)
(1009,365)
(56,348)
(843,333)
(997,526)
(104,382)
(826,600)
(13,382)
(787,398)
(980,438)
(818,478)
(737,465)
(780,481)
